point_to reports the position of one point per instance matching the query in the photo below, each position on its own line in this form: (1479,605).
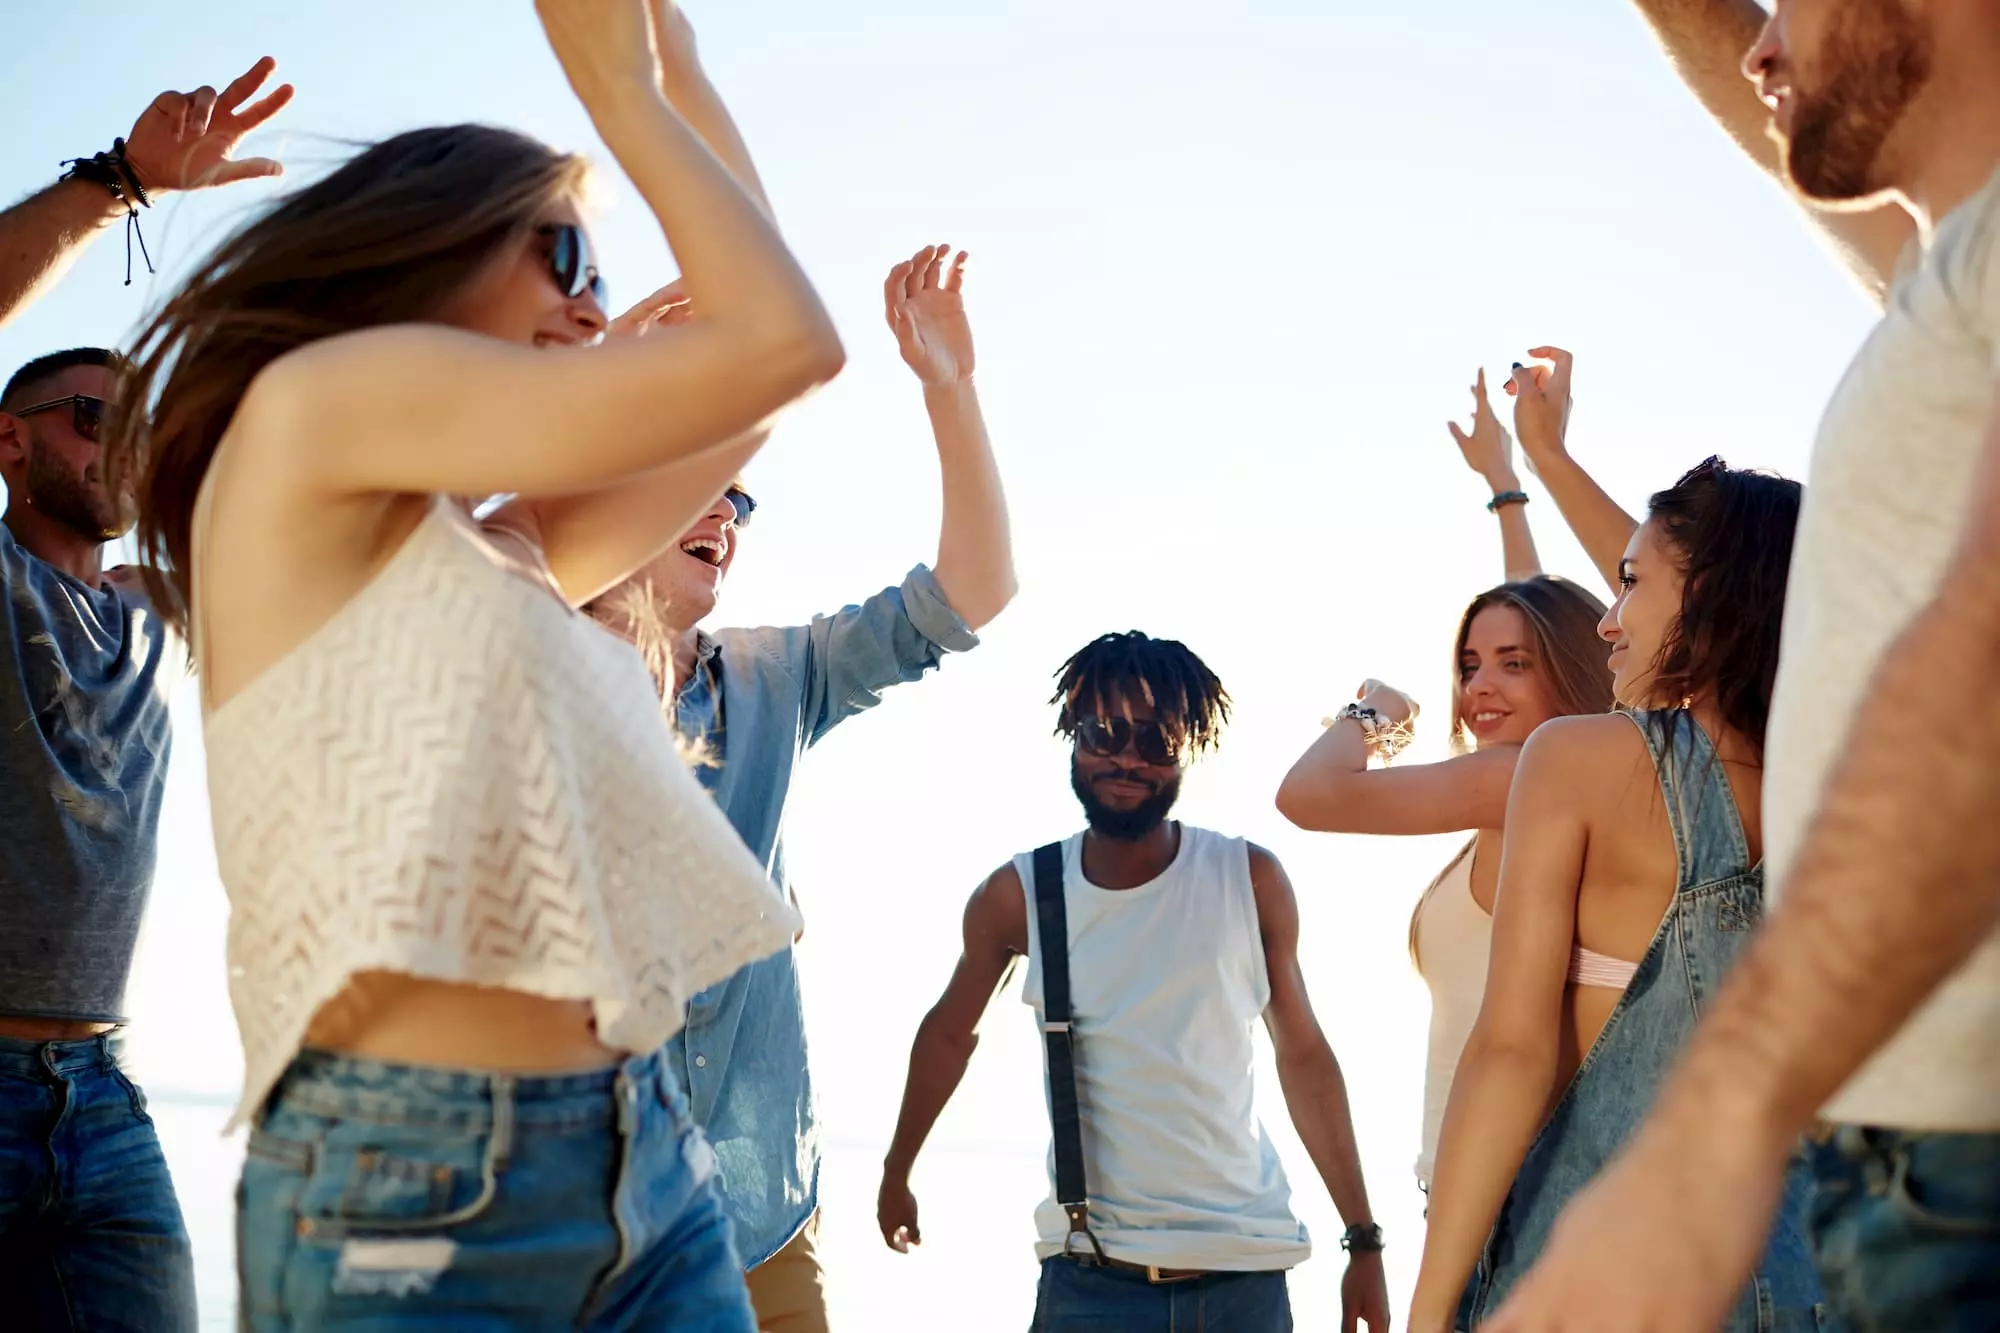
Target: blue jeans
(91,1235)
(1906,1228)
(1074,1298)
(386,1197)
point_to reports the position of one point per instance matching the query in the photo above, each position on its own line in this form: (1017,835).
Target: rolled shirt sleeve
(898,635)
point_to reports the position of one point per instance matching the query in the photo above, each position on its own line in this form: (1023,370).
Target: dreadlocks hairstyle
(1182,690)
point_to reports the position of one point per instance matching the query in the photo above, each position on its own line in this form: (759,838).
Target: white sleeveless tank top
(1167,982)
(1452,938)
(459,778)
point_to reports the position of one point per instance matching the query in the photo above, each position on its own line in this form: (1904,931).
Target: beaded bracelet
(1505,498)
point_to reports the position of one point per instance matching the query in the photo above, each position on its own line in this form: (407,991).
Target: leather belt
(1153,1273)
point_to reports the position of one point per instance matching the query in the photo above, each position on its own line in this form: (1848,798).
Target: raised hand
(183,141)
(662,310)
(896,1214)
(603,45)
(1488,449)
(927,314)
(1542,402)
(1387,700)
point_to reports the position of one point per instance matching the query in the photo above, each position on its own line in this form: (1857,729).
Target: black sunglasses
(1107,737)
(743,503)
(88,413)
(572,264)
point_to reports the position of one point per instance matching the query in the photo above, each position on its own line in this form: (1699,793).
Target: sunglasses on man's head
(88,413)
(1107,737)
(742,502)
(572,264)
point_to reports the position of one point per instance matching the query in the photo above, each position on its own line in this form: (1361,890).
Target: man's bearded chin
(68,498)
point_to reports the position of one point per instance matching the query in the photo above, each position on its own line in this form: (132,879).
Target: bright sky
(1234,265)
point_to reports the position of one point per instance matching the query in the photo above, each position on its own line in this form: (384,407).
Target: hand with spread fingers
(1488,448)
(662,310)
(184,141)
(926,311)
(1541,396)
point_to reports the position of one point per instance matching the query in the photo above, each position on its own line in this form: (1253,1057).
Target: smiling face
(1841,77)
(1504,687)
(517,299)
(1650,584)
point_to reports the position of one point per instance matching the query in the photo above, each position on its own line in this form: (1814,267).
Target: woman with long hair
(1526,651)
(1632,879)
(472,883)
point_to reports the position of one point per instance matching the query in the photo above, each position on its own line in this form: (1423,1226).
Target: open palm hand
(184,141)
(926,312)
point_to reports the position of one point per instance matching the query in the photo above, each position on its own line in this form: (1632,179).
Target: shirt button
(701,1062)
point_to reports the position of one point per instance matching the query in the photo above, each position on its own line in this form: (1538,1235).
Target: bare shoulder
(998,911)
(1265,868)
(335,383)
(1580,750)
(1277,904)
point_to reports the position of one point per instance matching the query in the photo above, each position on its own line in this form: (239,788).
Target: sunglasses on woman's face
(743,503)
(88,413)
(572,264)
(1107,737)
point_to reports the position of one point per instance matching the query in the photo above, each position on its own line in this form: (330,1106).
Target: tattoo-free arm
(1706,41)
(1501,1089)
(1331,789)
(43,234)
(996,933)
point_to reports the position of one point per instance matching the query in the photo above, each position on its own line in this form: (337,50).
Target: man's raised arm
(182,141)
(1706,40)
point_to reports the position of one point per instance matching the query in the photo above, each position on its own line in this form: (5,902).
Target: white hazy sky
(1234,265)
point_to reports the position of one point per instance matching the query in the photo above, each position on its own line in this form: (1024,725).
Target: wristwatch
(1362,1238)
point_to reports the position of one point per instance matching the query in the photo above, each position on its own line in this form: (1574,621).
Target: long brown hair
(389,237)
(1562,622)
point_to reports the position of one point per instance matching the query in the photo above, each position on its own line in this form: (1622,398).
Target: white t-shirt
(1888,497)
(1167,984)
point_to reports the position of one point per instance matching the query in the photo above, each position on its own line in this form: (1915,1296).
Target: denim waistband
(62,1057)
(320,1082)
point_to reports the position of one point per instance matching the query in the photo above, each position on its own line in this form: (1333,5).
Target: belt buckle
(1153,1276)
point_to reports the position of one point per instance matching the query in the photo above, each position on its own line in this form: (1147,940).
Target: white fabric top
(458,777)
(1167,980)
(1892,473)
(1452,938)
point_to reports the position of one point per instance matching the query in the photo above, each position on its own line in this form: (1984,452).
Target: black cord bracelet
(1505,498)
(113,172)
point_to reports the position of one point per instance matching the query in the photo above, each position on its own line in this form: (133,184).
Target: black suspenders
(1052,924)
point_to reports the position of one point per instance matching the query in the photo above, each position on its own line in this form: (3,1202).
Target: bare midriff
(410,1020)
(50,1029)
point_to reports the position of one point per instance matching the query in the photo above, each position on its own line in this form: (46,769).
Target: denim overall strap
(1708,828)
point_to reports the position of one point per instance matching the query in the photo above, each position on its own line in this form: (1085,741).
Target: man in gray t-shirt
(91,1234)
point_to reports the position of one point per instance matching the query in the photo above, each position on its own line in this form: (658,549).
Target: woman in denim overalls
(1630,883)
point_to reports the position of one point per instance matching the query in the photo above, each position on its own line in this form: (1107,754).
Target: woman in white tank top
(472,883)
(1526,651)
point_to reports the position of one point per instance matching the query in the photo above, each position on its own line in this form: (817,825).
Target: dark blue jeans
(91,1235)
(1073,1298)
(385,1197)
(1906,1228)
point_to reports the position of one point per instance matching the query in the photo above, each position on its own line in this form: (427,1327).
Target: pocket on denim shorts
(387,1178)
(1949,1182)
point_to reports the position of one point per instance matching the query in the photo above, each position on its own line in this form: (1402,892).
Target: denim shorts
(388,1197)
(1906,1229)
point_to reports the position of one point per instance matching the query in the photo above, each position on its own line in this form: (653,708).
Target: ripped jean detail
(393,1196)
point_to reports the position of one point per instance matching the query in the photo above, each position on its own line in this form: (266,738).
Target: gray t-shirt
(1886,504)
(84,734)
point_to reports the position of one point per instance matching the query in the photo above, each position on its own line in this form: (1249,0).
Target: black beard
(1124,825)
(1874,65)
(66,498)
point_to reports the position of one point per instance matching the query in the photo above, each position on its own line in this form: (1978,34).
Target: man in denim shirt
(753,700)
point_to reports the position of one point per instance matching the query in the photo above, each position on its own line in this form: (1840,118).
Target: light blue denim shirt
(757,699)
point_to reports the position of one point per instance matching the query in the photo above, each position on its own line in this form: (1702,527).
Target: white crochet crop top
(457,777)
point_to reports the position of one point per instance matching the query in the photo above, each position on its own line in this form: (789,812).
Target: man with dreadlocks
(1153,948)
